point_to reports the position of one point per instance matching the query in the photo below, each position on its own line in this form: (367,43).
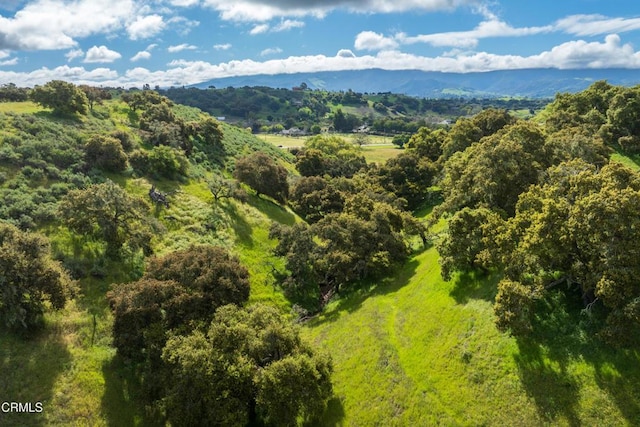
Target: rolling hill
(531,83)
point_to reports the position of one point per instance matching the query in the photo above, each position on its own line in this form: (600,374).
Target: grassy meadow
(415,350)
(378,149)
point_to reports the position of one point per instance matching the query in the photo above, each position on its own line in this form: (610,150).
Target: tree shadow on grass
(273,211)
(333,415)
(351,299)
(29,368)
(122,401)
(554,391)
(563,334)
(474,285)
(234,219)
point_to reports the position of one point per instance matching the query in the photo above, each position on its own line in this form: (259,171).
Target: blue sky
(180,42)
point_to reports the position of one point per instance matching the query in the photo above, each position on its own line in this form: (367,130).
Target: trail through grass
(420,351)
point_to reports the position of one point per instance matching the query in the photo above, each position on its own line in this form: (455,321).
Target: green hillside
(70,365)
(485,274)
(420,351)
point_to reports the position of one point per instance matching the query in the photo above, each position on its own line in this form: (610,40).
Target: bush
(105,153)
(29,279)
(161,161)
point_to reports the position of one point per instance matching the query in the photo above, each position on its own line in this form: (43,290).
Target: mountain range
(529,83)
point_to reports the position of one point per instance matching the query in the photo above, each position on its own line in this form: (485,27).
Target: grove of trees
(542,206)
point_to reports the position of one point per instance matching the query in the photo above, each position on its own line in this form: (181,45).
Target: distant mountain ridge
(530,83)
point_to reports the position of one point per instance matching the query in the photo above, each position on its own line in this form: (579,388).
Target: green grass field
(419,351)
(20,107)
(378,149)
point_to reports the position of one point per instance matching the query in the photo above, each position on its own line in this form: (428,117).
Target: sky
(127,43)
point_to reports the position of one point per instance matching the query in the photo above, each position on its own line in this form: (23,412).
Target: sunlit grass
(20,107)
(420,351)
(626,160)
(380,153)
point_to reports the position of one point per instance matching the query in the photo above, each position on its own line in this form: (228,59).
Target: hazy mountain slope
(535,83)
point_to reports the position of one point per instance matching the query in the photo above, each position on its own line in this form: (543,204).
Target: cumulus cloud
(265,10)
(101,54)
(610,52)
(145,27)
(271,51)
(181,47)
(368,40)
(50,25)
(225,46)
(141,55)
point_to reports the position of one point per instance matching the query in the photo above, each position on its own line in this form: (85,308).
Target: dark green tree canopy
(107,212)
(329,155)
(105,152)
(314,197)
(408,176)
(493,172)
(251,365)
(570,230)
(29,279)
(264,175)
(210,272)
(366,239)
(64,98)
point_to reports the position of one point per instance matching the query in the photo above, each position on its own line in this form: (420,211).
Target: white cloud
(181,47)
(183,25)
(49,25)
(101,54)
(225,46)
(265,10)
(184,3)
(345,53)
(141,55)
(145,27)
(8,62)
(284,25)
(470,39)
(259,29)
(592,25)
(271,51)
(576,54)
(287,25)
(368,40)
(581,54)
(73,54)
